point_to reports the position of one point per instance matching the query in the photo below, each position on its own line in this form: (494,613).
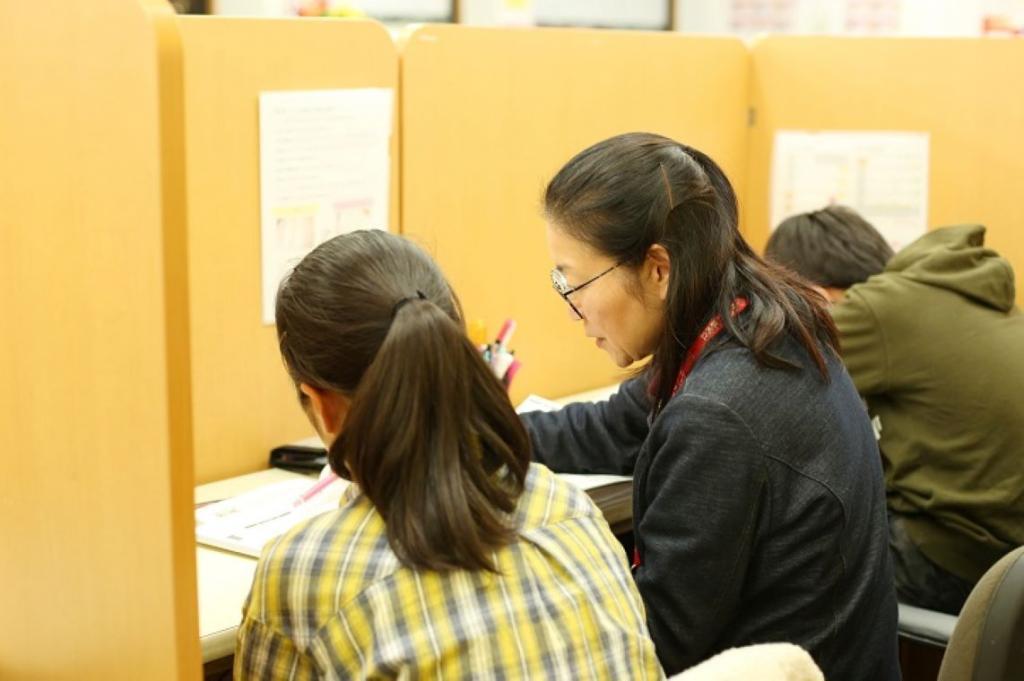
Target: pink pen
(507,329)
(317,487)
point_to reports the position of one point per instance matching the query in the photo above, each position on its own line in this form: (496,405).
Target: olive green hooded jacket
(935,346)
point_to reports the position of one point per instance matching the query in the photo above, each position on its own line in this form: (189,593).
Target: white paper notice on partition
(881,175)
(324,170)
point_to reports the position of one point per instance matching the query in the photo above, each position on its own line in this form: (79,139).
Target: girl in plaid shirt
(451,556)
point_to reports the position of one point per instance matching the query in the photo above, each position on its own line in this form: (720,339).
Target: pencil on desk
(316,488)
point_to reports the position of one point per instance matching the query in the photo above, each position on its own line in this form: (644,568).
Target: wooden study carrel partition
(488,116)
(133,343)
(244,403)
(98,566)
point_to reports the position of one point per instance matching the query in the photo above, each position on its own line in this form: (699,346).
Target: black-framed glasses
(561,286)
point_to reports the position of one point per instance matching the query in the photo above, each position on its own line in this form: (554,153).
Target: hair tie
(419,296)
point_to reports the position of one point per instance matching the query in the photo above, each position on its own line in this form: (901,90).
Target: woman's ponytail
(430,437)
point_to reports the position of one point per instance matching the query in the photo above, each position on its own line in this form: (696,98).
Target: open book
(247,522)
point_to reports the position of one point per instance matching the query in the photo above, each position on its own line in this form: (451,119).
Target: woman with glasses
(759,508)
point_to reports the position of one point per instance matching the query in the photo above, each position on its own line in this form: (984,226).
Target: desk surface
(224,577)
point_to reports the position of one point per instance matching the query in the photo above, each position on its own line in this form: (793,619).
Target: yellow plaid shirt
(330,600)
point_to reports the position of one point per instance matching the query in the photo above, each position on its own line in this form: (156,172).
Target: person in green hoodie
(935,346)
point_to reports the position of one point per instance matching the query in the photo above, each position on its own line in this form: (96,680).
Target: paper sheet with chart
(881,175)
(324,170)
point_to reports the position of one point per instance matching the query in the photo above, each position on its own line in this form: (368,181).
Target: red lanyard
(712,329)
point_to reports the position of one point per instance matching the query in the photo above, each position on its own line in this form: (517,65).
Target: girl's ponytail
(430,437)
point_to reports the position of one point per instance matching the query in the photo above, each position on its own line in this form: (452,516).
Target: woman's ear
(657,266)
(326,409)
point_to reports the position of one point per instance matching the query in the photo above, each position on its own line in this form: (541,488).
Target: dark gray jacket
(758,509)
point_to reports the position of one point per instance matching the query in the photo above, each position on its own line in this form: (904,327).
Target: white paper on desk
(324,170)
(245,523)
(593,481)
(583,481)
(881,175)
(537,403)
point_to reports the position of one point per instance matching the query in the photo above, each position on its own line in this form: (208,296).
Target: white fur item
(763,662)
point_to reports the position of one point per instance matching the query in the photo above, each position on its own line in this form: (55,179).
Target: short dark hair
(430,437)
(629,192)
(833,247)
